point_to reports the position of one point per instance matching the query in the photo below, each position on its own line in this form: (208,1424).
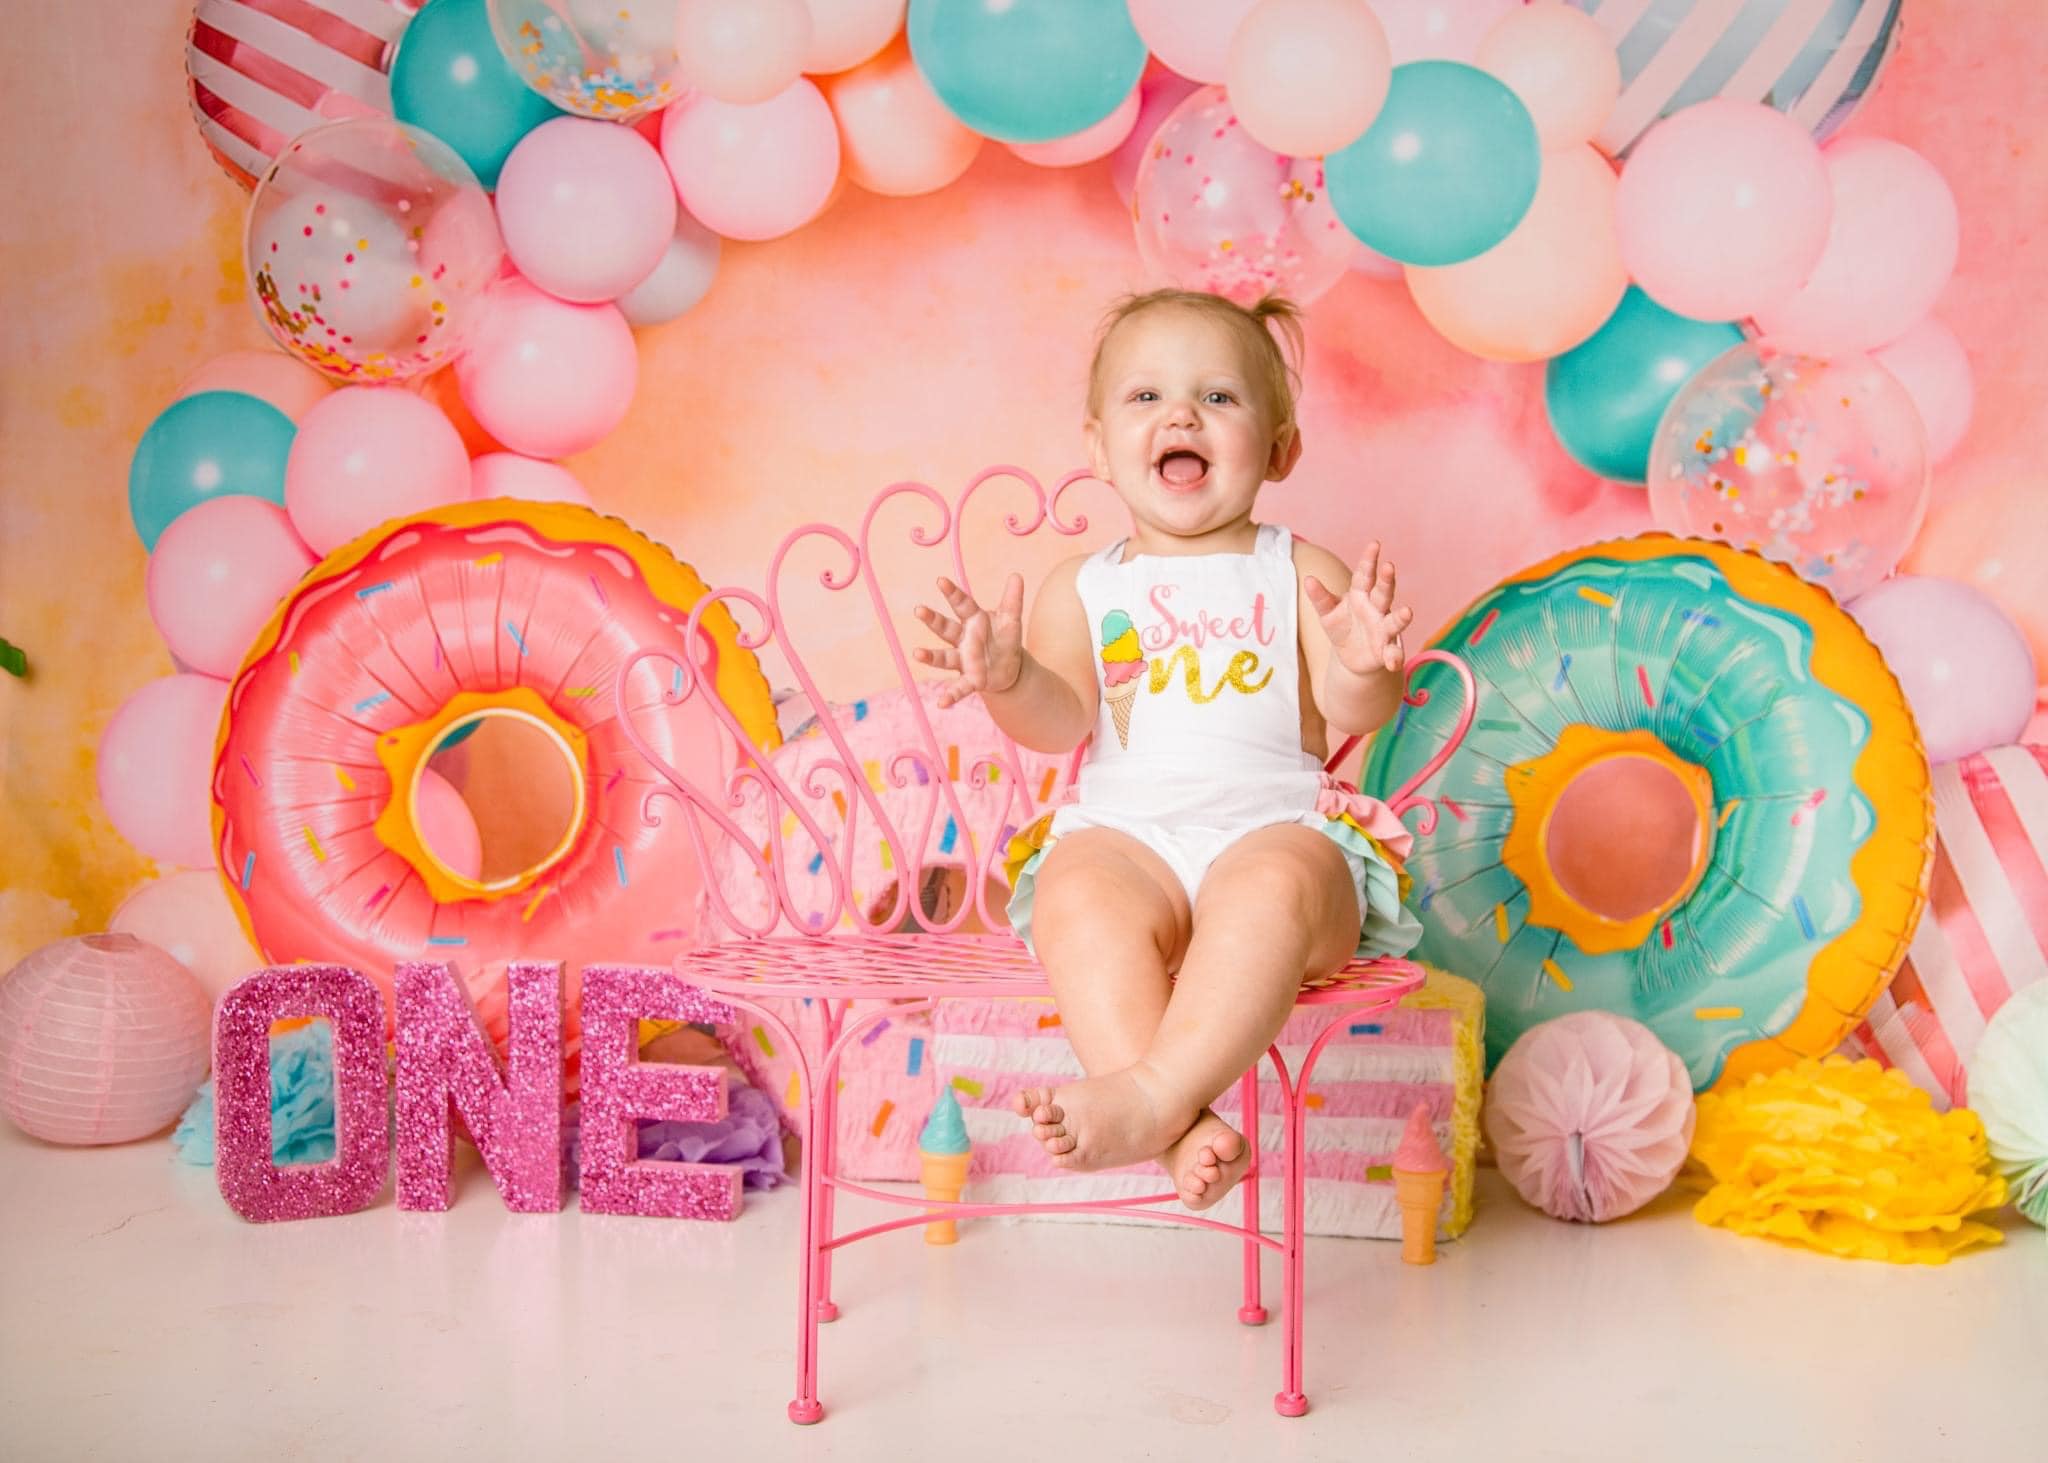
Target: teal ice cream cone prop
(946,1152)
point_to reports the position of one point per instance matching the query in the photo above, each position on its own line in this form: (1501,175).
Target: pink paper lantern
(1590,1116)
(102,1040)
(514,1116)
(255,1186)
(619,1090)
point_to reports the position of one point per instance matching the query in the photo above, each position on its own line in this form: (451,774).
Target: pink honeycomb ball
(103,1039)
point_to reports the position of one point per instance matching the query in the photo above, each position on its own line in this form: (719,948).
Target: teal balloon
(450,78)
(1605,396)
(215,444)
(1446,170)
(1028,70)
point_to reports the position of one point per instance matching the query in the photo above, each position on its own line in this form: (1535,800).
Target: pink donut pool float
(475,648)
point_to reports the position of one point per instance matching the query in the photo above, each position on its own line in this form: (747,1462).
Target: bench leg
(827,1130)
(1251,1313)
(806,1408)
(1291,1401)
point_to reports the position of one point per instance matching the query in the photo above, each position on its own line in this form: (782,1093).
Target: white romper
(1198,736)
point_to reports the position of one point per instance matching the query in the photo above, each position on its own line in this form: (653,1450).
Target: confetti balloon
(369,247)
(1818,465)
(614,59)
(102,1040)
(1216,211)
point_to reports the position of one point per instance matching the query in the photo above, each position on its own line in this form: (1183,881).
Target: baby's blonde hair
(1276,375)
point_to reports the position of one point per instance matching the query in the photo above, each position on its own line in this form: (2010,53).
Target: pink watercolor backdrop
(891,338)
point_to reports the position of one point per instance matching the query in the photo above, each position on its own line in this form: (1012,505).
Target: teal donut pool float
(1692,795)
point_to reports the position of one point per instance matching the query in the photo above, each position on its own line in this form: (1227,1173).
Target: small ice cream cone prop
(946,1152)
(1123,661)
(1420,1172)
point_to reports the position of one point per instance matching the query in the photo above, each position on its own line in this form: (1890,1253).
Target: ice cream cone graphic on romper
(945,1150)
(1122,663)
(1420,1171)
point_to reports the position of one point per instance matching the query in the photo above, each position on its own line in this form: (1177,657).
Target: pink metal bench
(908,955)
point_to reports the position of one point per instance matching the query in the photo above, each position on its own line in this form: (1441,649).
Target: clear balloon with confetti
(369,245)
(610,59)
(1216,211)
(1820,465)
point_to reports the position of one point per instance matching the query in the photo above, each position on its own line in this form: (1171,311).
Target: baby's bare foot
(1103,1122)
(1035,1106)
(1208,1161)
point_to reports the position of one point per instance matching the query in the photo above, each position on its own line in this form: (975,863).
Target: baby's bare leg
(1277,906)
(1109,919)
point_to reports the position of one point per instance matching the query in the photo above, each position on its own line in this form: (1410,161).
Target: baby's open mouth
(1182,470)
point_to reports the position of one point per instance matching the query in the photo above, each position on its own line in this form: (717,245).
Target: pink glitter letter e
(255,1187)
(515,1119)
(619,1089)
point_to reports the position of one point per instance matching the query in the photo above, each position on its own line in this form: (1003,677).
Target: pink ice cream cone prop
(1420,1172)
(1123,661)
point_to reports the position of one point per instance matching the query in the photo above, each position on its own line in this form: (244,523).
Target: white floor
(140,1319)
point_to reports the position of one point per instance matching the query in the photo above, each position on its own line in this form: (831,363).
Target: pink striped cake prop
(1985,932)
(1371,1076)
(260,72)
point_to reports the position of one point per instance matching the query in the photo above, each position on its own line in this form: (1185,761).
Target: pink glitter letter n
(515,1119)
(255,1187)
(619,1089)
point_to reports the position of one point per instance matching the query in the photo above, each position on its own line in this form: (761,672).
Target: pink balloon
(1931,364)
(683,277)
(446,825)
(1891,247)
(1213,210)
(545,377)
(1438,30)
(267,375)
(845,33)
(895,136)
(217,574)
(367,454)
(508,475)
(155,767)
(586,208)
(188,916)
(1992,541)
(1085,146)
(1723,209)
(1159,92)
(1191,36)
(1963,664)
(753,172)
(1308,76)
(1548,285)
(1559,61)
(742,51)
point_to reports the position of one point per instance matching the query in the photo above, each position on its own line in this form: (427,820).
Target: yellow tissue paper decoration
(1847,1158)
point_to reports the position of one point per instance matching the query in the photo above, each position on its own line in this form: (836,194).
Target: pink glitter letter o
(255,1187)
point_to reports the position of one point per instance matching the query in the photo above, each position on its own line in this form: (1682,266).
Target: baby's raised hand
(1365,624)
(985,648)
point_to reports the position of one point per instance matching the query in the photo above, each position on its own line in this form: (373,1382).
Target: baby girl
(1207,866)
